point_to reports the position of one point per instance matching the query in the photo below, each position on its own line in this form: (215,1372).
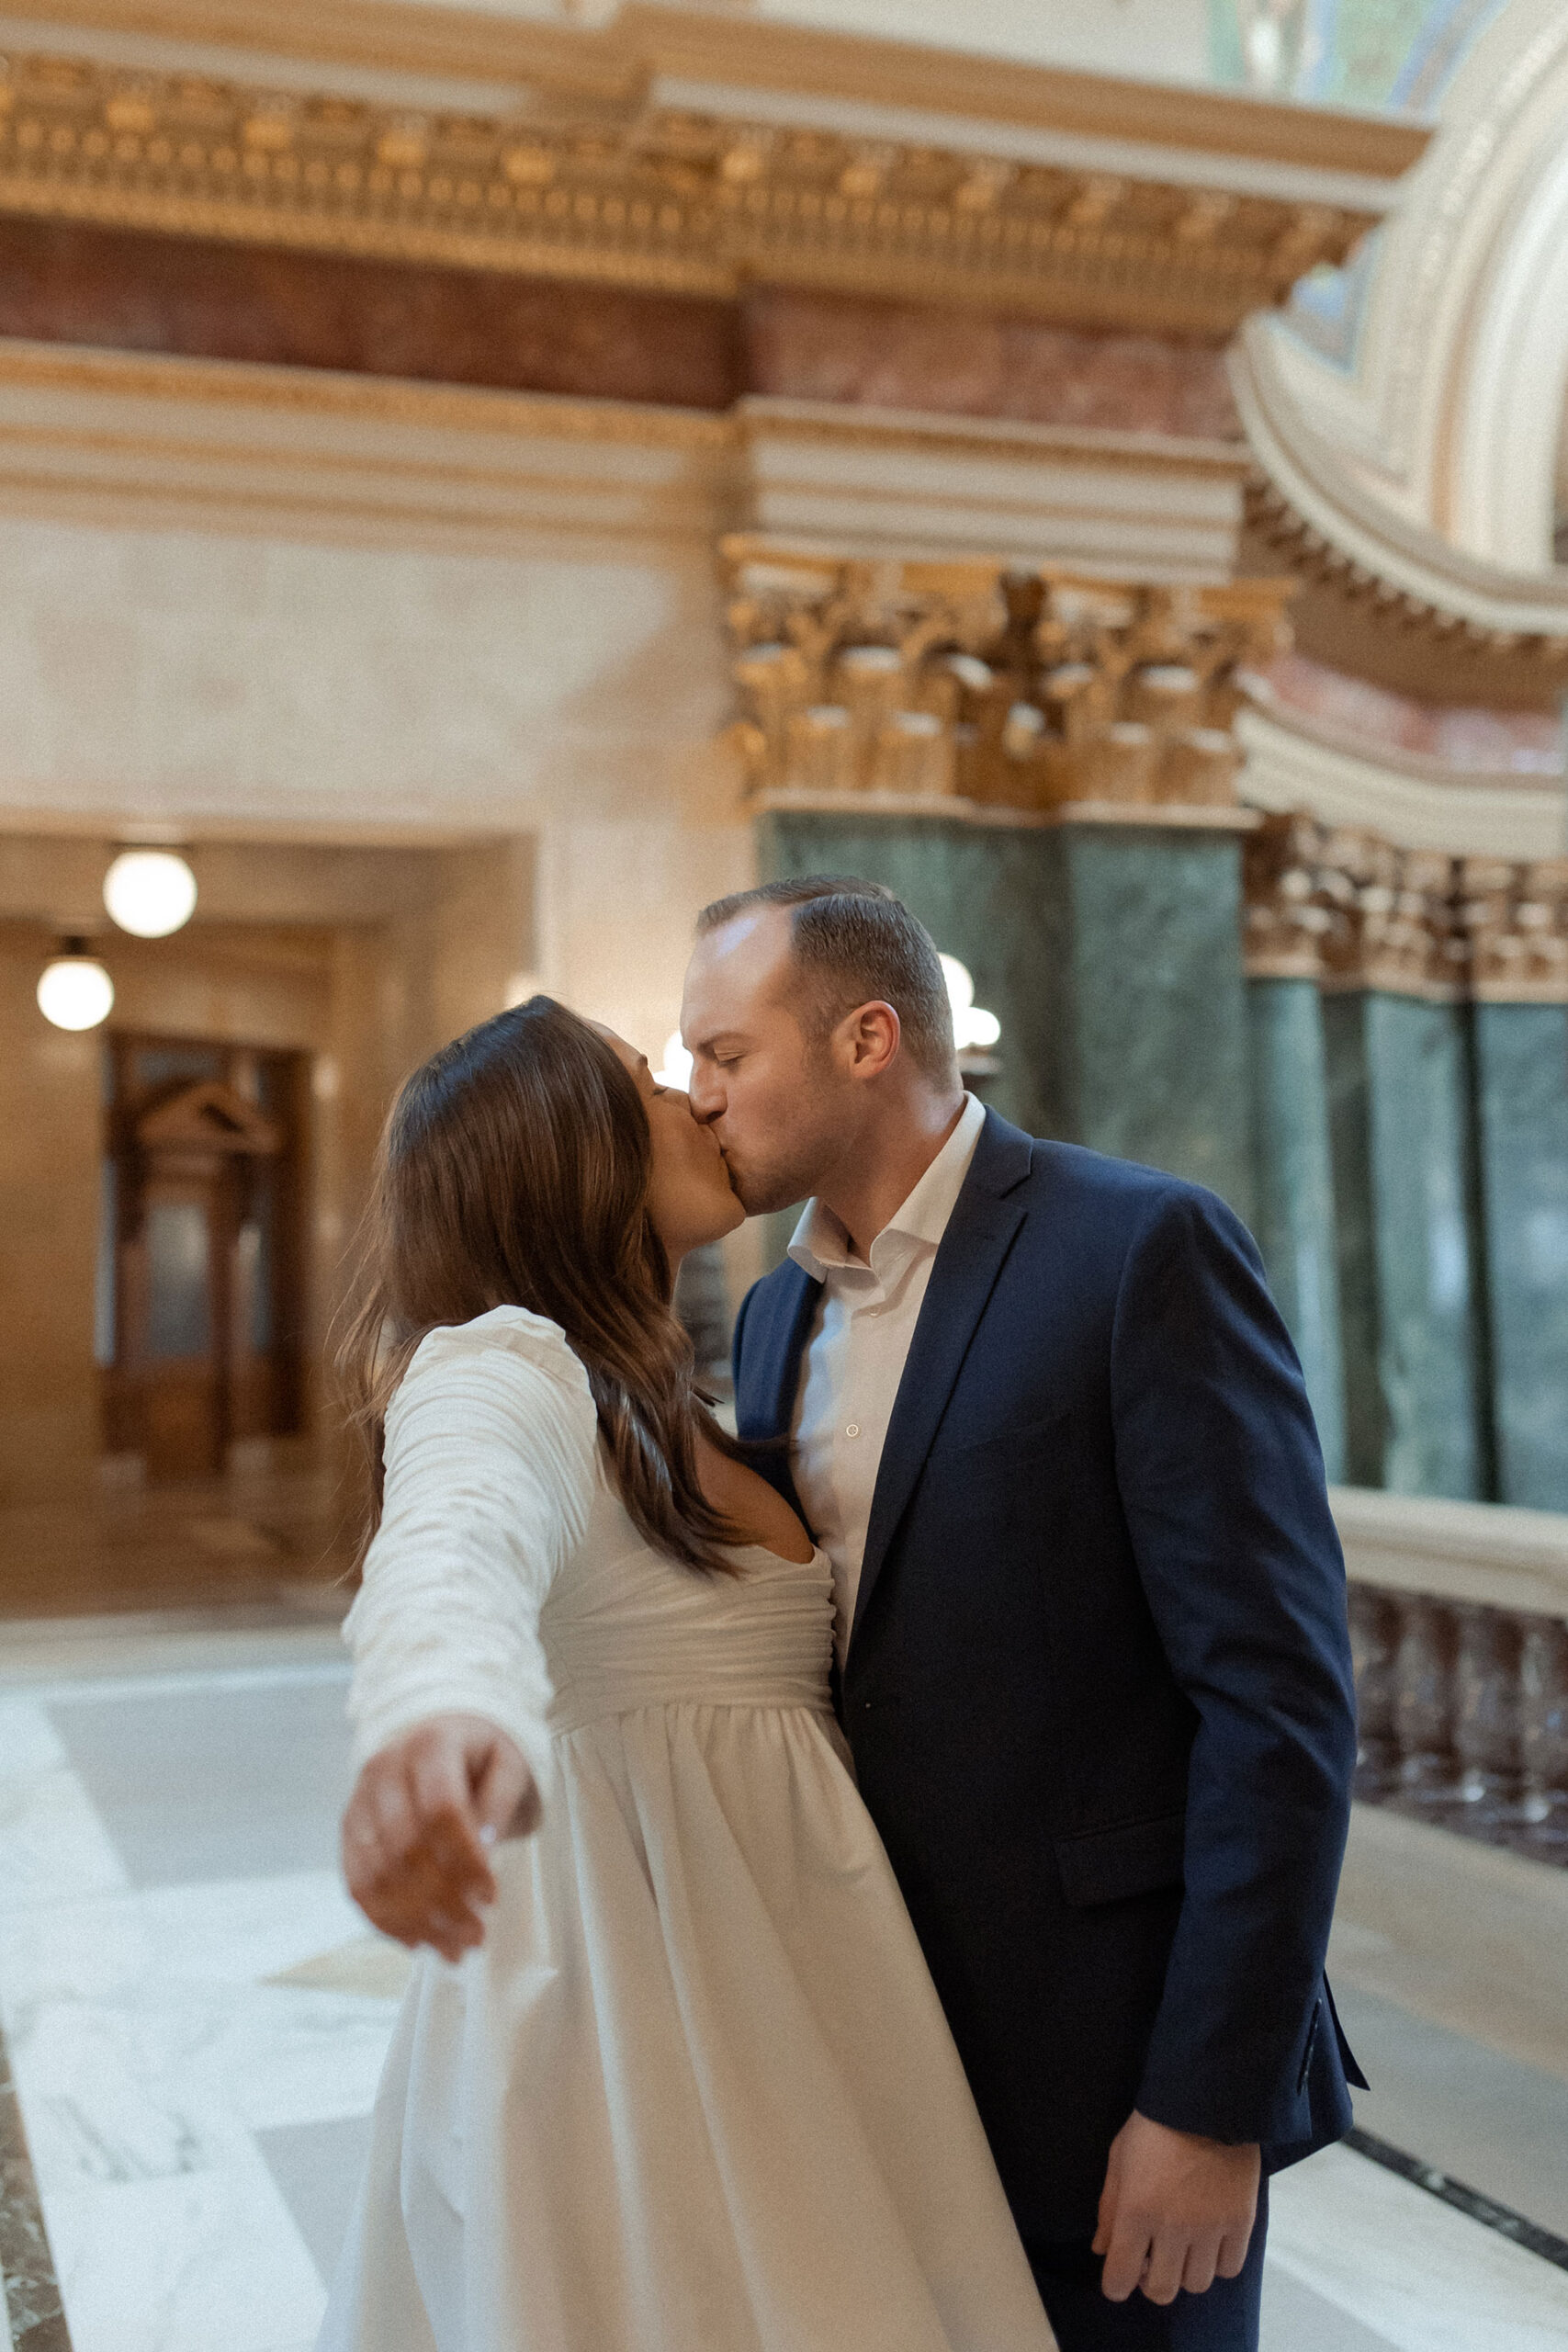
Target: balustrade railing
(1461,1689)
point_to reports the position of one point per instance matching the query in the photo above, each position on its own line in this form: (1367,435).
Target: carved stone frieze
(1349,909)
(1516,920)
(644,195)
(1029,690)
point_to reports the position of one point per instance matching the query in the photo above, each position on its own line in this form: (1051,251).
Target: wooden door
(201,1184)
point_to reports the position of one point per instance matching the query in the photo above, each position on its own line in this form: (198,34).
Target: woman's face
(689,1196)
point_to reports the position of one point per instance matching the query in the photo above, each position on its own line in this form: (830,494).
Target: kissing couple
(874,1872)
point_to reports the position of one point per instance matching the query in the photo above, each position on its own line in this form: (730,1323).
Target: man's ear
(873,1036)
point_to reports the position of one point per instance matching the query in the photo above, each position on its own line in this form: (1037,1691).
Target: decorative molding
(636,191)
(1491,1554)
(1312,513)
(106,436)
(1515,919)
(1036,690)
(1348,910)
(999,816)
(613,62)
(1422,456)
(1417,802)
(102,438)
(1130,505)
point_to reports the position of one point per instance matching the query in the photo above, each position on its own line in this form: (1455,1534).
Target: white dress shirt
(854,1358)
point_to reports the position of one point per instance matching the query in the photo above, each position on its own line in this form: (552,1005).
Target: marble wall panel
(1350,1135)
(1415,1385)
(890,355)
(1521,1069)
(1294,1161)
(129,292)
(1147,953)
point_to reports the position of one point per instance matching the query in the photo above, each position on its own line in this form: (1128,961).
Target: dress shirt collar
(819,1245)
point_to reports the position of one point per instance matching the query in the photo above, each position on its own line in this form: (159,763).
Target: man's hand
(1176,2211)
(417,1827)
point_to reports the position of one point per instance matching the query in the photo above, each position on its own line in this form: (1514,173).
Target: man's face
(773,1097)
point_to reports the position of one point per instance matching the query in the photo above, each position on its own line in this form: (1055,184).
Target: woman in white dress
(671,2076)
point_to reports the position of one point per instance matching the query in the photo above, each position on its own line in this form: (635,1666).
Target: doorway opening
(201,1274)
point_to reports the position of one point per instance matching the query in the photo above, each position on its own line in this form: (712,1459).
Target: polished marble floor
(195,2017)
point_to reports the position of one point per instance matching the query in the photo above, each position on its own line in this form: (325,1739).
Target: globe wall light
(73,990)
(150,892)
(975,1031)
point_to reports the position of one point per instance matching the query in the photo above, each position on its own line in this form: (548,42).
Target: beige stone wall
(570,693)
(50,1118)
(415,782)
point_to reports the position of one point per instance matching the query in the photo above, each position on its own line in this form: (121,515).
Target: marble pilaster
(1295,1209)
(1415,1376)
(1521,1109)
(1145,1011)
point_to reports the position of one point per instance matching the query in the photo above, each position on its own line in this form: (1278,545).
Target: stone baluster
(1462,1712)
(1423,1700)
(1543,1734)
(1486,1708)
(1374,1643)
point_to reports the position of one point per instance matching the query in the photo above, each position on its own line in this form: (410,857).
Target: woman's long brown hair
(514,1172)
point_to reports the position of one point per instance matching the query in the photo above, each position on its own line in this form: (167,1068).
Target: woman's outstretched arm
(490,1470)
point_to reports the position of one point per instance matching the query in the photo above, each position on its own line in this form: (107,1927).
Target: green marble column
(1111,953)
(1521,1103)
(1416,1386)
(1294,1156)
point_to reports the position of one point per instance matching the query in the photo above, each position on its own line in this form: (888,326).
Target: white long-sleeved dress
(695,2093)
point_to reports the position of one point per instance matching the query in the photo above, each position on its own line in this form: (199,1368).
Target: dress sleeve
(490,1472)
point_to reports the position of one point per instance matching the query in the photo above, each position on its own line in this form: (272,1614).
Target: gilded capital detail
(1349,909)
(619,192)
(968,683)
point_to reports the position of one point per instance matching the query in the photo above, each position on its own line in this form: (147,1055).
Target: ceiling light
(75,991)
(150,892)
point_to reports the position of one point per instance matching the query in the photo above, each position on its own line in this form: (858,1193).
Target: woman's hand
(418,1825)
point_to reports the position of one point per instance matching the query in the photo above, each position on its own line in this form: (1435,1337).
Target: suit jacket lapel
(979,1236)
(766,1407)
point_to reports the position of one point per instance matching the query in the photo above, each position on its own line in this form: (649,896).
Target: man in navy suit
(1093,1661)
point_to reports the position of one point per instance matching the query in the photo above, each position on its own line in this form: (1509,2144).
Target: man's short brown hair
(854,942)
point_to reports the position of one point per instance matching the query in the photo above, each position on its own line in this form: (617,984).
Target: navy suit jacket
(1098,1686)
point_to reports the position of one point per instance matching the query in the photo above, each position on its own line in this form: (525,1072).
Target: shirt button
(851,1428)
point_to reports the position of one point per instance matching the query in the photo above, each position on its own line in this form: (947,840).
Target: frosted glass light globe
(75,992)
(150,892)
(677,1069)
(973,1029)
(960,985)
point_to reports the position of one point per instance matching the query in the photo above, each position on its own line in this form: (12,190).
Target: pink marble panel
(809,346)
(1477,741)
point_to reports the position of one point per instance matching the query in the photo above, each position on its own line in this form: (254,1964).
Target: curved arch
(1446,413)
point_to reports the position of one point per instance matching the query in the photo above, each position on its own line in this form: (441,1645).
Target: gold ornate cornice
(1349,909)
(963,680)
(673,199)
(615,63)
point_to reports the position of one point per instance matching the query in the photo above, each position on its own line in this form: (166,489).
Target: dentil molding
(685,153)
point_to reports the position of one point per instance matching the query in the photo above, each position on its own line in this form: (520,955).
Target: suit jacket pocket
(1137,1858)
